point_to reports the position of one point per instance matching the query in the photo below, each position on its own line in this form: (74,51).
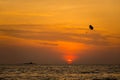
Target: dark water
(59,72)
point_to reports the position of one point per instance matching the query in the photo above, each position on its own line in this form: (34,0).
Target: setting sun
(69,58)
(69,61)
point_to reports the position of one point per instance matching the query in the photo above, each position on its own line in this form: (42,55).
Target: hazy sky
(56,31)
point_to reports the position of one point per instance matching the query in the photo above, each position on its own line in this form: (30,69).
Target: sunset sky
(57,31)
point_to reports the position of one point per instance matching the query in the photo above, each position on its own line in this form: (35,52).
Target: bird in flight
(91,27)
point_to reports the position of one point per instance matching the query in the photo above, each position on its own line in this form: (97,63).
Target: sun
(69,61)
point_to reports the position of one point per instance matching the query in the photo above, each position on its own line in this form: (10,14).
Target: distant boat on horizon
(30,63)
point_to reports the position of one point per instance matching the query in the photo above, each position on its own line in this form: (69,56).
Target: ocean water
(59,72)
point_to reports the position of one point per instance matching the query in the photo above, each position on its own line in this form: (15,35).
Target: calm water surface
(59,72)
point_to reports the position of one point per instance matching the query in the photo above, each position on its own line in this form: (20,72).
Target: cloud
(22,54)
(51,44)
(25,14)
(40,44)
(101,55)
(51,34)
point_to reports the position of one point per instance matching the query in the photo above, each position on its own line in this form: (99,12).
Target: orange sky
(49,31)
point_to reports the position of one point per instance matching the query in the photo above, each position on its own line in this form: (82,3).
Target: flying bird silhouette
(91,27)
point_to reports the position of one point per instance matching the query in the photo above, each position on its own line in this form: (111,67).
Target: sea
(60,72)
